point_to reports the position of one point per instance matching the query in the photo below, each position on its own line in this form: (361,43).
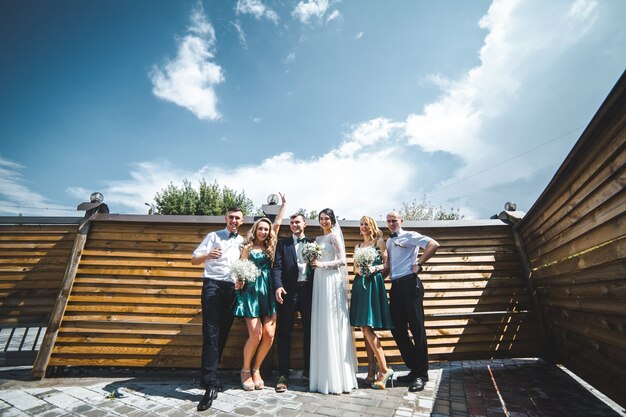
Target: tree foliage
(307,214)
(426,210)
(208,200)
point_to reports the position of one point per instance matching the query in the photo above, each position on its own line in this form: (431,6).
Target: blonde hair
(269,243)
(375,232)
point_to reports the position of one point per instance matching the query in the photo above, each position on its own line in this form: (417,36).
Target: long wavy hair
(375,233)
(269,244)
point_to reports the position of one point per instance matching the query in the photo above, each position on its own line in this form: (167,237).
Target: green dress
(256,299)
(368,304)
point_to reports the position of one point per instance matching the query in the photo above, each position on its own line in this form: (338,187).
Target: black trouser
(299,299)
(218,305)
(407,312)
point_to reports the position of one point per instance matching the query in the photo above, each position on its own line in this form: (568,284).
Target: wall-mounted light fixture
(94,205)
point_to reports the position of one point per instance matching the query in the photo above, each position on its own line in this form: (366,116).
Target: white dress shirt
(219,269)
(300,259)
(403,251)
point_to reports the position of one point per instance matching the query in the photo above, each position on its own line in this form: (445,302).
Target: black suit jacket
(285,270)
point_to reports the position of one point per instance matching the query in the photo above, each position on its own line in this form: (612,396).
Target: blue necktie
(233,234)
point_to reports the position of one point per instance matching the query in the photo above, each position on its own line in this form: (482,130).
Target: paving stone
(95,413)
(21,400)
(52,413)
(13,412)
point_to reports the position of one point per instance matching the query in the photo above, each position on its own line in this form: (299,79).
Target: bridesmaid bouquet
(244,270)
(364,258)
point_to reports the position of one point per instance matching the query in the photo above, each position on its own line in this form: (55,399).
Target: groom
(293,292)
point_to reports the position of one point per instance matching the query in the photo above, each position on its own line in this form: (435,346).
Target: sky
(360,106)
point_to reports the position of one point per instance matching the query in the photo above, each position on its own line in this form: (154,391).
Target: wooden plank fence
(33,255)
(135,298)
(575,239)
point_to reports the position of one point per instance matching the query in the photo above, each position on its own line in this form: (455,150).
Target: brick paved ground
(512,388)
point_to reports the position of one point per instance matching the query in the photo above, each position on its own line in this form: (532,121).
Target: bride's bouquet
(244,270)
(364,258)
(311,250)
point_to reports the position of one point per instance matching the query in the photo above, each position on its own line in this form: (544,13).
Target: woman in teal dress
(255,300)
(369,307)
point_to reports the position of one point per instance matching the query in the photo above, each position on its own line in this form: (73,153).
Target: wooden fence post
(56,316)
(548,354)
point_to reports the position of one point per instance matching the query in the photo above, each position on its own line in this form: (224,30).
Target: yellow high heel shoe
(382,383)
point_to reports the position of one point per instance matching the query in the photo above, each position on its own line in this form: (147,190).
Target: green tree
(307,215)
(426,210)
(209,200)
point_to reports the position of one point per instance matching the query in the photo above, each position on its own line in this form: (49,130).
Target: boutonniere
(399,244)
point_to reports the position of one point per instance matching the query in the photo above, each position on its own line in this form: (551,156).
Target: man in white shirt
(406,298)
(217,251)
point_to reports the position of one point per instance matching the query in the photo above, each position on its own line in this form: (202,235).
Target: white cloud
(190,78)
(343,178)
(290,58)
(16,196)
(257,9)
(522,47)
(305,11)
(335,14)
(369,133)
(240,33)
(358,35)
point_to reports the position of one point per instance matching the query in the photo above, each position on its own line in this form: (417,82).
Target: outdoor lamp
(96,197)
(94,205)
(272,207)
(510,214)
(510,206)
(272,199)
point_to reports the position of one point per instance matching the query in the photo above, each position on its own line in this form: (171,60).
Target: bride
(333,362)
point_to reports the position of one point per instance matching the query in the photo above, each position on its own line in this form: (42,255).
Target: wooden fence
(575,239)
(135,296)
(33,257)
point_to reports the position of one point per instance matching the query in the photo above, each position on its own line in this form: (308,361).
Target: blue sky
(354,105)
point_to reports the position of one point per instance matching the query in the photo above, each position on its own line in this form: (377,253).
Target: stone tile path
(513,388)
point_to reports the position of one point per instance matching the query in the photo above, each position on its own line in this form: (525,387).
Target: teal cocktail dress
(256,299)
(369,305)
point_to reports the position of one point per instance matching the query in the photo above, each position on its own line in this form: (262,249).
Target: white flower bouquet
(311,250)
(244,270)
(364,258)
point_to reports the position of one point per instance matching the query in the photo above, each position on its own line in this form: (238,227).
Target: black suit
(298,298)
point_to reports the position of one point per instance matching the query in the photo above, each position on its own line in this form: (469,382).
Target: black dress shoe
(416,385)
(410,377)
(207,399)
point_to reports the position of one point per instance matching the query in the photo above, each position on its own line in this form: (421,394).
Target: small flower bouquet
(363,259)
(244,270)
(311,251)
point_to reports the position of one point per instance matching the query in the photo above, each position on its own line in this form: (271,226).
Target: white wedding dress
(333,361)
